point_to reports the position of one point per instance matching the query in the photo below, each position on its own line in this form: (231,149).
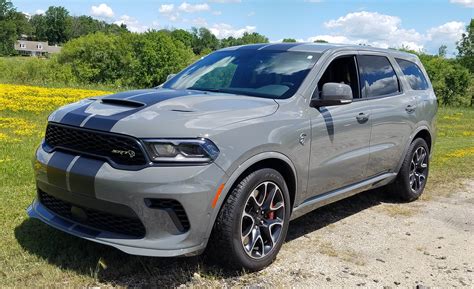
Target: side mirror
(170,76)
(333,94)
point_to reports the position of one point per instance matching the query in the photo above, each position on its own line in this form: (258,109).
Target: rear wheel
(411,179)
(253,222)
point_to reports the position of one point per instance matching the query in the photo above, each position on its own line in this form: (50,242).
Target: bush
(36,71)
(98,58)
(156,54)
(451,81)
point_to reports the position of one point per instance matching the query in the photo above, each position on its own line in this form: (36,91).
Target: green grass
(33,254)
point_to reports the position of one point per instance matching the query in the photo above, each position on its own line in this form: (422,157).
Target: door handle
(362,117)
(410,108)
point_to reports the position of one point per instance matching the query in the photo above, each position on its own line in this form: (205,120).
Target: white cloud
(381,30)
(103,10)
(191,8)
(373,26)
(39,12)
(446,34)
(173,13)
(169,11)
(250,14)
(132,24)
(223,30)
(166,8)
(217,13)
(466,3)
(332,39)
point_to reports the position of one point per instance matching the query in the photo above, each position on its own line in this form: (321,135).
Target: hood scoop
(122,102)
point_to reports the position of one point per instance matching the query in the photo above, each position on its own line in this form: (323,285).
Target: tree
(5,8)
(442,50)
(320,41)
(184,36)
(289,40)
(58,25)
(156,55)
(12,25)
(229,41)
(7,37)
(254,37)
(466,48)
(450,79)
(83,25)
(247,38)
(98,58)
(40,27)
(203,39)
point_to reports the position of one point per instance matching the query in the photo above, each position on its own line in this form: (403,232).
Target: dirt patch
(369,240)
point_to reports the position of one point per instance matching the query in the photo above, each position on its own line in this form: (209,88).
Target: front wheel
(252,225)
(413,174)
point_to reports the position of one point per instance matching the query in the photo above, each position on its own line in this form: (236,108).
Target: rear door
(393,110)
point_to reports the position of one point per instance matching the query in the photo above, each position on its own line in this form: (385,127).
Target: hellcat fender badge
(302,138)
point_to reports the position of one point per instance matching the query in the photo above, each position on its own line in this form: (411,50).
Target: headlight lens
(182,150)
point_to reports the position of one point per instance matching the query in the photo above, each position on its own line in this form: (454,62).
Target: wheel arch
(275,160)
(424,134)
(421,132)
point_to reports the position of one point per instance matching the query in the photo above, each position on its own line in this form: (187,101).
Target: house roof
(35,46)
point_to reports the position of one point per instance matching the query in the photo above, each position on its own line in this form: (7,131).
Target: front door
(340,135)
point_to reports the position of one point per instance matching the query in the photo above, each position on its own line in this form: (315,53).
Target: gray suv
(224,154)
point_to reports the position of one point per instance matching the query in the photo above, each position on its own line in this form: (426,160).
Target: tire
(240,222)
(413,175)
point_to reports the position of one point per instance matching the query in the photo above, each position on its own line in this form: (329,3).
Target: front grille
(175,210)
(94,218)
(121,150)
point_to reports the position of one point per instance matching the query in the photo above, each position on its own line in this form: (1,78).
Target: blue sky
(385,23)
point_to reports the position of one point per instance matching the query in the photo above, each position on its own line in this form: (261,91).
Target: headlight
(182,150)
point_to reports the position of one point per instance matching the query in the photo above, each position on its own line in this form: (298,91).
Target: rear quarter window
(413,74)
(377,77)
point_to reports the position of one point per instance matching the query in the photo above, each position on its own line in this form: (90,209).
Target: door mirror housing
(333,94)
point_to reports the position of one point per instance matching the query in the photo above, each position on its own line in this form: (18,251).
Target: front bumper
(68,177)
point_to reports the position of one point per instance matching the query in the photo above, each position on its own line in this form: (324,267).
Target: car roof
(317,48)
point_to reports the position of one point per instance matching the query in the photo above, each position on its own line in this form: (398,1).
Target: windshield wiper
(207,89)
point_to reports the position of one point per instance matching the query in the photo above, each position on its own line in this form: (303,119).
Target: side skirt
(333,196)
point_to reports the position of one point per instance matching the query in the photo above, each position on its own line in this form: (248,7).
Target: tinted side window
(413,74)
(377,77)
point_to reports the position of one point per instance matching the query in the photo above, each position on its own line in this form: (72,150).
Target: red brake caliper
(271,215)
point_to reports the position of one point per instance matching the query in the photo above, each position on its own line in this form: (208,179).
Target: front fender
(234,175)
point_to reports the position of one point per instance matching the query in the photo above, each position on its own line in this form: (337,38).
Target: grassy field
(32,254)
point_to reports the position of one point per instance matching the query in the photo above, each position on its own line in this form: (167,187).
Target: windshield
(270,74)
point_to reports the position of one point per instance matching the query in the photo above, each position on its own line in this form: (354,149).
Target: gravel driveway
(369,240)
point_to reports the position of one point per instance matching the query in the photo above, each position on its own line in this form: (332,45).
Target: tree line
(95,52)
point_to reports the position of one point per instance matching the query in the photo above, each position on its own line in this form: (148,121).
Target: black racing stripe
(76,116)
(82,175)
(127,94)
(105,123)
(281,46)
(57,167)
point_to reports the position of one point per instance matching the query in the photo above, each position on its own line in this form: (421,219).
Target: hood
(164,112)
